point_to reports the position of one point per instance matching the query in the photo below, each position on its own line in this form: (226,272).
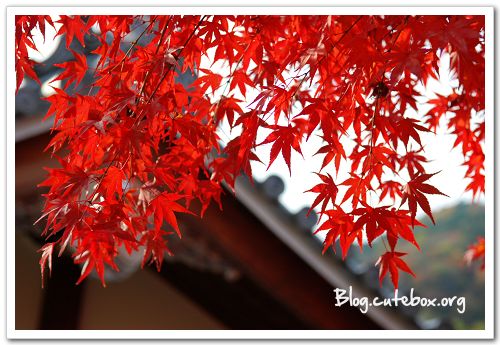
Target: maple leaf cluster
(137,147)
(24,40)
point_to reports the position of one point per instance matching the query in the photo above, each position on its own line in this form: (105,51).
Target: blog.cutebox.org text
(343,296)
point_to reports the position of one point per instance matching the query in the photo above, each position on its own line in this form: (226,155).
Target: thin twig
(156,52)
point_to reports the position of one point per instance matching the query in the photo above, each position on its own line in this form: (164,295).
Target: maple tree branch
(405,21)
(344,34)
(363,172)
(101,178)
(395,28)
(132,45)
(156,52)
(231,77)
(372,129)
(372,120)
(176,56)
(307,73)
(122,61)
(385,245)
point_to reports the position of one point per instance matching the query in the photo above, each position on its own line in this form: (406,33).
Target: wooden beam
(276,268)
(239,304)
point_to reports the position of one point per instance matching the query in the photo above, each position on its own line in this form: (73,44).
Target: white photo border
(12,333)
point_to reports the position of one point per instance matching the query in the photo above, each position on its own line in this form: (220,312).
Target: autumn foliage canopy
(137,147)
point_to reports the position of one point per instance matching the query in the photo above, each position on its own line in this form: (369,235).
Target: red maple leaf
(46,258)
(406,128)
(284,138)
(340,227)
(156,247)
(358,186)
(73,27)
(414,194)
(327,192)
(163,207)
(391,189)
(391,262)
(73,71)
(113,183)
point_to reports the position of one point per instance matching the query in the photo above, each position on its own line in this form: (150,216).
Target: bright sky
(438,148)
